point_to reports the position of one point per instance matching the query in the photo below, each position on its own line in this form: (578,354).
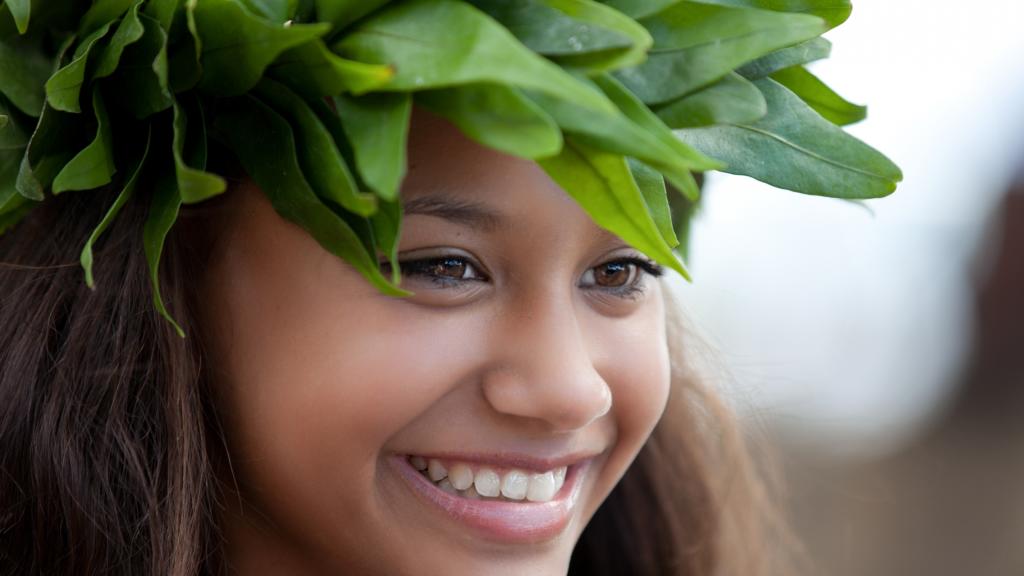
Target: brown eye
(614,274)
(453,268)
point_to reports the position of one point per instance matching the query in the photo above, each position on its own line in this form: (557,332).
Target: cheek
(636,367)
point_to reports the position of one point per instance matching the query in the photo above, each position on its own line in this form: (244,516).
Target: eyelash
(421,267)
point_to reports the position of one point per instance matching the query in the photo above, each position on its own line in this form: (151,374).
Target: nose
(543,369)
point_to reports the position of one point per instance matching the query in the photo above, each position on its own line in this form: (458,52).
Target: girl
(501,388)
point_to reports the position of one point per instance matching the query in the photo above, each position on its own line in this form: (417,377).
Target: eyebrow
(467,213)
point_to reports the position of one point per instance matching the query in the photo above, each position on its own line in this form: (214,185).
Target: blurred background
(881,347)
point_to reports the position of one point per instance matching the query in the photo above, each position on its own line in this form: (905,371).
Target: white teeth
(487,482)
(461,476)
(436,470)
(514,485)
(447,486)
(542,487)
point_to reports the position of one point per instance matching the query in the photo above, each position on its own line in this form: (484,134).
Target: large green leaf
(102,12)
(575,33)
(21,11)
(652,187)
(315,72)
(731,100)
(194,184)
(819,96)
(23,72)
(86,257)
(698,44)
(441,43)
(65,86)
(638,9)
(238,46)
(278,11)
(54,142)
(94,165)
(834,12)
(163,212)
(140,84)
(377,127)
(496,116)
(602,184)
(128,32)
(321,162)
(264,144)
(795,148)
(632,130)
(683,158)
(802,53)
(341,13)
(183,67)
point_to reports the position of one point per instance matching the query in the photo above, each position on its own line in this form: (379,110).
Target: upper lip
(516,460)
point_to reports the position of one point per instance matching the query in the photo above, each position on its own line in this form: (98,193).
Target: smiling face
(532,361)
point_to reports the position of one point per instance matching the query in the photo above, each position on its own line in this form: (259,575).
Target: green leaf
(652,187)
(803,53)
(696,45)
(796,149)
(23,70)
(341,13)
(194,185)
(377,127)
(387,228)
(263,142)
(238,46)
(634,131)
(52,144)
(683,158)
(278,11)
(442,43)
(102,12)
(94,165)
(602,184)
(574,33)
(163,212)
(731,100)
(86,257)
(183,68)
(128,32)
(496,116)
(20,10)
(65,86)
(834,12)
(321,162)
(819,96)
(163,11)
(140,84)
(637,9)
(315,72)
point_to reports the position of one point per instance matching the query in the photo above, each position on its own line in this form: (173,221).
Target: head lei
(619,102)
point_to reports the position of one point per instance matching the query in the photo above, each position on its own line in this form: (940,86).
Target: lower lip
(499,520)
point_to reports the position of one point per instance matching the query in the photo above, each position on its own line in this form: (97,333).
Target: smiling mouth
(495,502)
(477,482)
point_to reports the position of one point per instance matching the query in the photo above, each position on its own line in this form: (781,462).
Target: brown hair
(108,436)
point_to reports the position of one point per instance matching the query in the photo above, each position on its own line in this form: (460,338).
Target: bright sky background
(848,328)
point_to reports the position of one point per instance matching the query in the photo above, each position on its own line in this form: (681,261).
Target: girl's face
(532,362)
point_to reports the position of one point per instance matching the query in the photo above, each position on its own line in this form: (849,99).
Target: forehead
(453,178)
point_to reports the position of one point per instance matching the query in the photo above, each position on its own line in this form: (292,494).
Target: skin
(320,378)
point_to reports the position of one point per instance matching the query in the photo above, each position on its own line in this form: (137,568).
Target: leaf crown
(620,102)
